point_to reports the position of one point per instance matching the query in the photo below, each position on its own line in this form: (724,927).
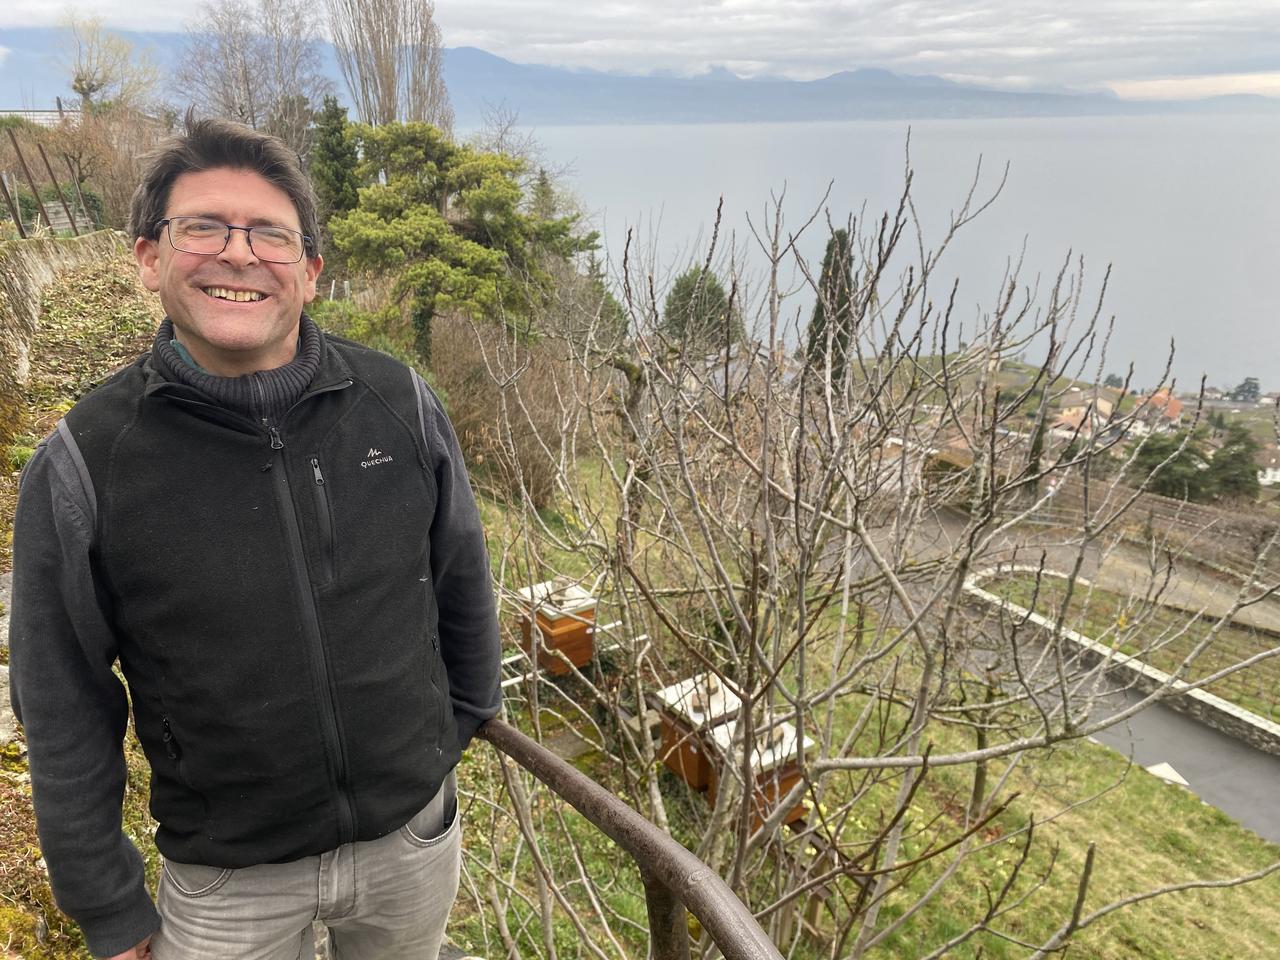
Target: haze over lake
(1185,208)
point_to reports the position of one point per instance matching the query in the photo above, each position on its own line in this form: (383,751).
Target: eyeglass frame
(167,225)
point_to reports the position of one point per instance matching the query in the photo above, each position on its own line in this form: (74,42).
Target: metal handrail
(674,879)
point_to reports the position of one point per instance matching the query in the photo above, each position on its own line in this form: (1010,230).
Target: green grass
(1162,637)
(1148,834)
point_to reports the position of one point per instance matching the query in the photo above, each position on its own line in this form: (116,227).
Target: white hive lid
(702,700)
(556,598)
(775,745)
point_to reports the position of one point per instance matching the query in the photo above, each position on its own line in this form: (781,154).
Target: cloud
(1027,43)
(1189,88)
(1030,42)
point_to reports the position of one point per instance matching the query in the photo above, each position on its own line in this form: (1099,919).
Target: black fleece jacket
(299,602)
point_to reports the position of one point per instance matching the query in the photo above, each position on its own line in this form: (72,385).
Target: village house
(1083,411)
(1268,461)
(1079,400)
(1159,413)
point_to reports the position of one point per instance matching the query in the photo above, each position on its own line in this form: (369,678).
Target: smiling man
(271,531)
(234,294)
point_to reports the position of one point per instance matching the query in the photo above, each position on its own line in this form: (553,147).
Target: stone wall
(26,268)
(1211,710)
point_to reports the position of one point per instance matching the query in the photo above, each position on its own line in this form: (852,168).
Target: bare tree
(104,68)
(500,131)
(219,71)
(258,64)
(814,543)
(120,118)
(392,58)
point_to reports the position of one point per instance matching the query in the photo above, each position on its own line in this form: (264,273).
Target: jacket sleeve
(73,707)
(469,639)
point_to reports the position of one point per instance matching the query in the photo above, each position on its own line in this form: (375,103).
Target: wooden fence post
(35,190)
(57,187)
(84,207)
(13,208)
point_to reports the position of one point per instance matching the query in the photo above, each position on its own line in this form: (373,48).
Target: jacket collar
(332,371)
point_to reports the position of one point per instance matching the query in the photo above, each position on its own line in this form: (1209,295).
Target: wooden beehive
(689,709)
(774,768)
(564,615)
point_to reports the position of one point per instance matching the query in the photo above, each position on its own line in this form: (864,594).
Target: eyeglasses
(210,237)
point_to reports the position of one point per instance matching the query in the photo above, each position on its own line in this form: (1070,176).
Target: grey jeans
(385,899)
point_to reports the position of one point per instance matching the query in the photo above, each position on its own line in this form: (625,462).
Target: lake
(1185,208)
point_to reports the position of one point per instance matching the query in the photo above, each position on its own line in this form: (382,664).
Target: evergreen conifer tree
(334,161)
(832,321)
(1233,471)
(698,310)
(543,203)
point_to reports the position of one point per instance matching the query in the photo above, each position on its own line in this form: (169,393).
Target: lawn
(1163,637)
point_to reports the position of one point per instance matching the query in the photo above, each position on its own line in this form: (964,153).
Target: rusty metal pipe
(661,860)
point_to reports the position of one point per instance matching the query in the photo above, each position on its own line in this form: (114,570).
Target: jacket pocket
(324,518)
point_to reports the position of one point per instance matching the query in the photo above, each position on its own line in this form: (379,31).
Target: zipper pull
(315,469)
(170,745)
(276,442)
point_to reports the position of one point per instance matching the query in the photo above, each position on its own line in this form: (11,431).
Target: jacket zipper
(442,696)
(260,394)
(319,659)
(170,744)
(320,672)
(325,517)
(172,750)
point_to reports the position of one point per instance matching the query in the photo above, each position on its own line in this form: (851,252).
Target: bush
(511,435)
(93,204)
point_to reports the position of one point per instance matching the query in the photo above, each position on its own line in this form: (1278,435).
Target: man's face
(225,336)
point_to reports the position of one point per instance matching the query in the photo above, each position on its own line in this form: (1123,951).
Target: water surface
(1185,208)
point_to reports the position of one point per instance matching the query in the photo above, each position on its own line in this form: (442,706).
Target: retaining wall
(27,267)
(1211,710)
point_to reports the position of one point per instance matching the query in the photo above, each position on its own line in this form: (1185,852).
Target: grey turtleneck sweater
(264,395)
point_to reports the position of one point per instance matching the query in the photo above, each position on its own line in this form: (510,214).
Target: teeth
(239,296)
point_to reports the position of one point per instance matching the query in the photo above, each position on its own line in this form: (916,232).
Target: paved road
(1241,781)
(1238,779)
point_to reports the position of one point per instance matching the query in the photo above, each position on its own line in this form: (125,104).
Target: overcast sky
(1181,48)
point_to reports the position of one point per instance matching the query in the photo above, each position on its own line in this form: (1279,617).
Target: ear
(147,253)
(314,266)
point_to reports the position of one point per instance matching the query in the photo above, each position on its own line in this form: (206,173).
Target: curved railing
(674,879)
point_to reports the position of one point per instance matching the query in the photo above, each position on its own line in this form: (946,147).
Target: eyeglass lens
(210,237)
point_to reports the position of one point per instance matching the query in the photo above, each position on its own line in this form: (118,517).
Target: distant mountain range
(545,95)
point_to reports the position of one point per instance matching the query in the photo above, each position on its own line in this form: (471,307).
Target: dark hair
(211,144)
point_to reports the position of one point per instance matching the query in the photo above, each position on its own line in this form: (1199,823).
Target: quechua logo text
(375,457)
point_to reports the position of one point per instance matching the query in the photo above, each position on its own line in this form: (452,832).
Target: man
(272,531)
